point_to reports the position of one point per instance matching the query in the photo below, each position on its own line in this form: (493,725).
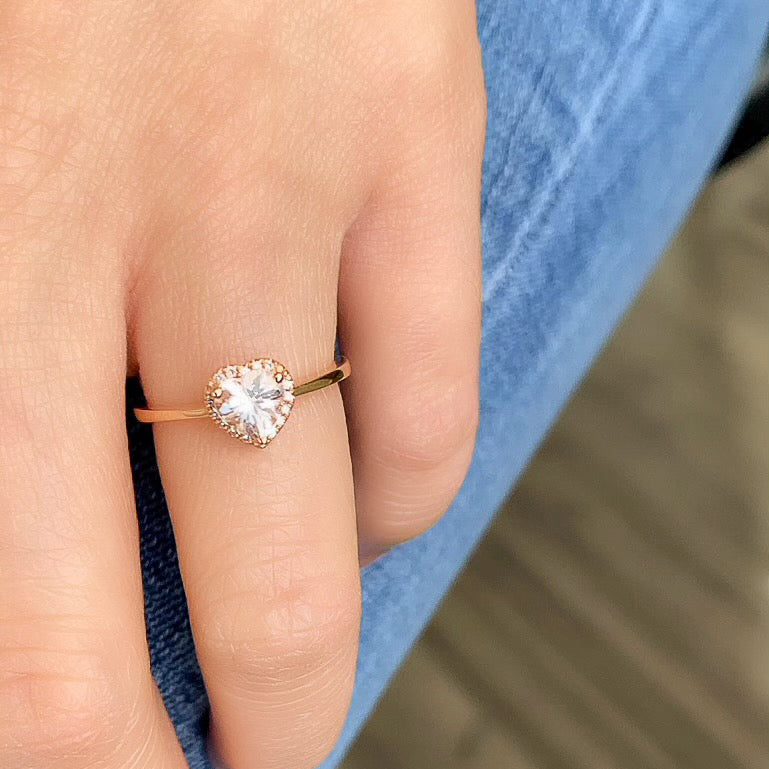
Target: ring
(251,402)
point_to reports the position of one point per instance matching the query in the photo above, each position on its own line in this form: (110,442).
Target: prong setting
(251,401)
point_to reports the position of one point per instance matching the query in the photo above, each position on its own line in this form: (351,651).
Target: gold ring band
(251,401)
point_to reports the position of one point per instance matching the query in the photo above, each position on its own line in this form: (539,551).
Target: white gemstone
(252,401)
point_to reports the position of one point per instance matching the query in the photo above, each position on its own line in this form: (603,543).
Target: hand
(184,186)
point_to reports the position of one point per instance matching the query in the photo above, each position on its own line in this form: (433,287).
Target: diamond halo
(253,401)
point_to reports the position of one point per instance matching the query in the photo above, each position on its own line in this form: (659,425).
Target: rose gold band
(337,374)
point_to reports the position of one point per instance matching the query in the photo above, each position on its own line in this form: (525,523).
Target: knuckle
(294,646)
(58,704)
(430,458)
(436,432)
(260,642)
(431,65)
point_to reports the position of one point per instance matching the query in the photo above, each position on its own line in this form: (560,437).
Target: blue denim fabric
(604,118)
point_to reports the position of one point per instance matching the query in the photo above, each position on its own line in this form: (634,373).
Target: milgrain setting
(251,401)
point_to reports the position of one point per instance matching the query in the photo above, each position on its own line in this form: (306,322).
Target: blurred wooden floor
(616,615)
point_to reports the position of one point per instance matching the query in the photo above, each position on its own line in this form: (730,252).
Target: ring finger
(266,538)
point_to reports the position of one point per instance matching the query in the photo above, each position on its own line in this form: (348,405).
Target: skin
(184,185)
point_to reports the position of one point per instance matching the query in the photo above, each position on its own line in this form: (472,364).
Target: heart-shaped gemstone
(253,401)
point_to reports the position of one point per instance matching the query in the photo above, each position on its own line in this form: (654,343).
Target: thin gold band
(342,371)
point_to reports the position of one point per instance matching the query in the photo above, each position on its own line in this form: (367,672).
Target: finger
(75,682)
(410,302)
(266,538)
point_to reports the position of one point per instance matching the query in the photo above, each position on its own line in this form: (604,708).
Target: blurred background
(616,614)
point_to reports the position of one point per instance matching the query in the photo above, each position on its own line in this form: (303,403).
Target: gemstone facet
(253,401)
